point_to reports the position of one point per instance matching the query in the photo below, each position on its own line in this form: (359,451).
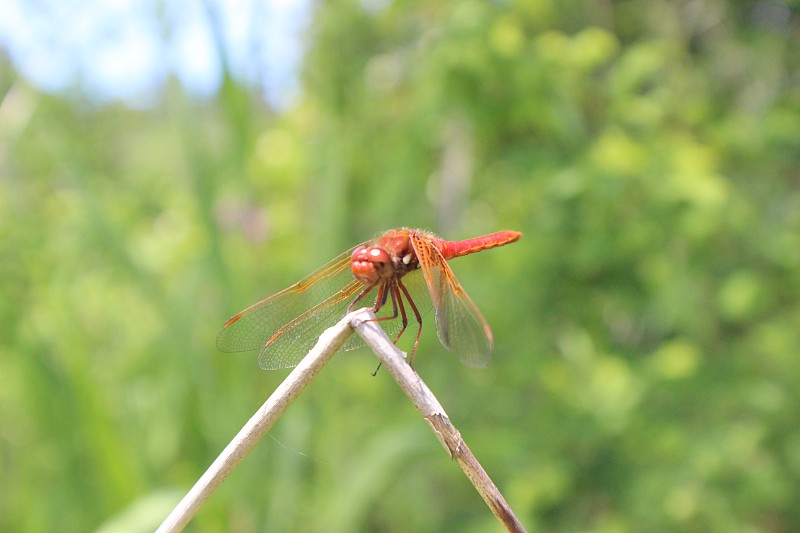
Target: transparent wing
(459,324)
(287,324)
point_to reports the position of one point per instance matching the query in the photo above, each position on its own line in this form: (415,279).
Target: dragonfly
(403,273)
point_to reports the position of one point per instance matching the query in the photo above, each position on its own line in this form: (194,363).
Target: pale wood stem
(393,360)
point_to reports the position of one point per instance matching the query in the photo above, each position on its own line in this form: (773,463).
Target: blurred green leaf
(645,375)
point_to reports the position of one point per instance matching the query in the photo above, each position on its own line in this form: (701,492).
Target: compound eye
(379,257)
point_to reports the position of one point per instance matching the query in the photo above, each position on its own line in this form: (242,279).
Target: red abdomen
(451,249)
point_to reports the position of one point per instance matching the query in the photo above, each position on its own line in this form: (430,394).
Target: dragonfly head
(370,264)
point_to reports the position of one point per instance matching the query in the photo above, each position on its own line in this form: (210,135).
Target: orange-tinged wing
(459,324)
(287,324)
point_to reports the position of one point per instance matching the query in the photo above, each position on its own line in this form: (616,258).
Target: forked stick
(329,342)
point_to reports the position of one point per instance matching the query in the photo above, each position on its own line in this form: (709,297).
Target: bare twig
(427,404)
(329,342)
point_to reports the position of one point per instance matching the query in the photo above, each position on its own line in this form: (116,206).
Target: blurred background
(165,164)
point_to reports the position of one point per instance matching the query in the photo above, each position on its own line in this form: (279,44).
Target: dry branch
(392,359)
(427,404)
(329,342)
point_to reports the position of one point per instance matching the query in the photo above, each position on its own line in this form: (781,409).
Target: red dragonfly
(402,264)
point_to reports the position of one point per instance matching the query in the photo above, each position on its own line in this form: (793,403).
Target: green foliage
(646,375)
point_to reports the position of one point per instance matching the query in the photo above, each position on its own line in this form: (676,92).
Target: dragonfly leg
(363,293)
(383,295)
(416,315)
(387,290)
(391,289)
(397,301)
(380,301)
